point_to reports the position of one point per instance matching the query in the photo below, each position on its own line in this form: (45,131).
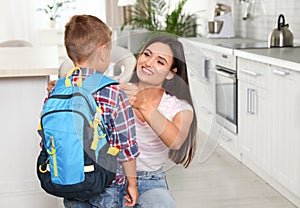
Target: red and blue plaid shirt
(119,119)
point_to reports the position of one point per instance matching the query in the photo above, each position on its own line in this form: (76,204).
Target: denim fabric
(111,197)
(153,190)
(157,197)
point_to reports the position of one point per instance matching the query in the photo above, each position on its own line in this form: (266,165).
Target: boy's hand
(132,195)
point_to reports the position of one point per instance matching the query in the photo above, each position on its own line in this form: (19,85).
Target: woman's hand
(129,88)
(147,98)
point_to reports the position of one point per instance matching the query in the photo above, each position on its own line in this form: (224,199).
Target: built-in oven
(226,98)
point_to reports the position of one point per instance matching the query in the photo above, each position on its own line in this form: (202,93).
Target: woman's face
(153,65)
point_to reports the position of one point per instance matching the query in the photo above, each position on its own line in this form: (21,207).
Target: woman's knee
(158,198)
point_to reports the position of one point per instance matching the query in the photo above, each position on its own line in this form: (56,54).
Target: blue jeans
(111,197)
(153,190)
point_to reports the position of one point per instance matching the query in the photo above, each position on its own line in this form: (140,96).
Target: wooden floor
(221,182)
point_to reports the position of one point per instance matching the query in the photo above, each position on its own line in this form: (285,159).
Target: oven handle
(224,74)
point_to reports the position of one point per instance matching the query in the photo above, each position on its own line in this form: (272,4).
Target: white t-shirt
(153,152)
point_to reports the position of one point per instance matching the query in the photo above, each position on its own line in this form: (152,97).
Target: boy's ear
(101,52)
(171,73)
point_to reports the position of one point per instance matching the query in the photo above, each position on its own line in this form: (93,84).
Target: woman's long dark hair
(179,87)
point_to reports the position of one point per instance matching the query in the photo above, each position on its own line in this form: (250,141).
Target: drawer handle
(223,137)
(252,73)
(226,139)
(205,110)
(281,73)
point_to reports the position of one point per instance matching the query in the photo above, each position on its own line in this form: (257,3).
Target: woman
(165,119)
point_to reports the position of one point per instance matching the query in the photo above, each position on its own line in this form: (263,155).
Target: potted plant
(156,15)
(53,9)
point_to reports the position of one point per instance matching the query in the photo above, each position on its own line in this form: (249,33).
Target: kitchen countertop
(283,57)
(215,44)
(28,61)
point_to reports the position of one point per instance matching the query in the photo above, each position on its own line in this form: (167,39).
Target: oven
(226,98)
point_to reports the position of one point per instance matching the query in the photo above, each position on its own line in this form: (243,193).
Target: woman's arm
(172,133)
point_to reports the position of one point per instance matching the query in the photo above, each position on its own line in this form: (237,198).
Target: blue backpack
(76,160)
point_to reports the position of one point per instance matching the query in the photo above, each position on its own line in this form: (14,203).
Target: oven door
(226,98)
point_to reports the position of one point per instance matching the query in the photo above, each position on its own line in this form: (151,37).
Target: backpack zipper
(53,153)
(73,95)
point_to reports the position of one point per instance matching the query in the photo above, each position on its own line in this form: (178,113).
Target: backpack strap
(67,81)
(96,82)
(92,84)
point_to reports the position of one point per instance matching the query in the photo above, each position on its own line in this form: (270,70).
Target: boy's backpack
(76,160)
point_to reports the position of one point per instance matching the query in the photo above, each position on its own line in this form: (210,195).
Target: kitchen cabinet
(201,62)
(254,101)
(285,165)
(201,80)
(24,77)
(269,124)
(228,141)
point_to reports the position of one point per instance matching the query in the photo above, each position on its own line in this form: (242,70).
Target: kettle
(281,36)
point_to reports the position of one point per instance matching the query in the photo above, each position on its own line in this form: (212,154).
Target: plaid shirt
(119,119)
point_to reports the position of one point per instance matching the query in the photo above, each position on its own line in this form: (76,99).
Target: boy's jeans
(111,197)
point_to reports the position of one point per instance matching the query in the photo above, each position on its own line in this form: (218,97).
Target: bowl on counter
(215,26)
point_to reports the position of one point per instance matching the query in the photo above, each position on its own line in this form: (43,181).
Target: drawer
(229,142)
(256,73)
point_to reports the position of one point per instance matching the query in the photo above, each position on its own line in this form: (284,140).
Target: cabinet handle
(281,73)
(252,73)
(205,110)
(248,100)
(225,138)
(251,101)
(206,67)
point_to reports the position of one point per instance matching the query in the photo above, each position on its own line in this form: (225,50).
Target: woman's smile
(147,71)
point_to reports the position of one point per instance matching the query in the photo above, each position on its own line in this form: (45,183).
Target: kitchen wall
(20,20)
(263,17)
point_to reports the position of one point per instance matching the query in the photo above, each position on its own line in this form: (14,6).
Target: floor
(221,182)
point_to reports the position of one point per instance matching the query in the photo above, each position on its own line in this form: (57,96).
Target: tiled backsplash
(264,16)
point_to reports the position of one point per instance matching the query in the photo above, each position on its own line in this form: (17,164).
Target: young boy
(88,44)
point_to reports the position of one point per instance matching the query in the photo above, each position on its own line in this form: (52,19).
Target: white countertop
(283,57)
(214,43)
(28,61)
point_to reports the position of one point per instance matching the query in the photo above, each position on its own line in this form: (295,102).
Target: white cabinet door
(201,81)
(254,131)
(254,112)
(285,165)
